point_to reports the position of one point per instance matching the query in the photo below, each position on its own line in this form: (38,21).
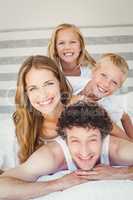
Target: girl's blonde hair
(84,57)
(28,121)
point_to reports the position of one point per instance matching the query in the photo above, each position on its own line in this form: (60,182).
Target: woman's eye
(31,89)
(50,83)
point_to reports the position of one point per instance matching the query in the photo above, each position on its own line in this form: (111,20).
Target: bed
(15,46)
(92,190)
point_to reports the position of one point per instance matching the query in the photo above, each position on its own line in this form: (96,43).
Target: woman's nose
(41,92)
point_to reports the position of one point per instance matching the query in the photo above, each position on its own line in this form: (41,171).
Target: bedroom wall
(49,13)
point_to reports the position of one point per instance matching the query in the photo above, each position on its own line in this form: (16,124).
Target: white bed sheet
(92,190)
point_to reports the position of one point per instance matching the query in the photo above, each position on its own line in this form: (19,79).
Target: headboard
(17,44)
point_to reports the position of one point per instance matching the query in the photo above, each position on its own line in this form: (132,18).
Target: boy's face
(106,79)
(85,146)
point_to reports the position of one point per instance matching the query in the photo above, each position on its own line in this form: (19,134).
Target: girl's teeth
(68,54)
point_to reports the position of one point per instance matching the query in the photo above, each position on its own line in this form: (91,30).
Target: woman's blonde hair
(28,121)
(84,57)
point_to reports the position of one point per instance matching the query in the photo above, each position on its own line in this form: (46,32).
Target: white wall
(49,13)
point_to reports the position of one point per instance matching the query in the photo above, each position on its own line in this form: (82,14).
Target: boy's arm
(121,151)
(118,132)
(127,125)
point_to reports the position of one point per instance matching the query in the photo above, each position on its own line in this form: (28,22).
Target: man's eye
(93,140)
(74,141)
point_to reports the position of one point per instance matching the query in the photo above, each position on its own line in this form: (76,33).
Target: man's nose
(84,150)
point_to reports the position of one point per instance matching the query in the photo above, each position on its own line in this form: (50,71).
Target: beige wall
(49,13)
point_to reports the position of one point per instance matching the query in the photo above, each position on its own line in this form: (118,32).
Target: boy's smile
(106,79)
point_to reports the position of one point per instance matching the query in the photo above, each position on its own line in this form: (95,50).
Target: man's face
(106,79)
(85,146)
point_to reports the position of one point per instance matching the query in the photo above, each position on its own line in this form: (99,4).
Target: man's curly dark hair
(85,114)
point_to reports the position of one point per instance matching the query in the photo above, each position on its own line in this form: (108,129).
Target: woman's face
(43,90)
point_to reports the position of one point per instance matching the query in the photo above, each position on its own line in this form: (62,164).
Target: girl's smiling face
(43,90)
(68,46)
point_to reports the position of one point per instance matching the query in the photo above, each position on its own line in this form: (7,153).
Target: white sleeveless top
(79,82)
(104,159)
(70,164)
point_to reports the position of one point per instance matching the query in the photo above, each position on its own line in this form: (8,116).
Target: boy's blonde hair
(84,57)
(117,60)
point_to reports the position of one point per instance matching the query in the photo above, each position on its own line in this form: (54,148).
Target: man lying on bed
(83,144)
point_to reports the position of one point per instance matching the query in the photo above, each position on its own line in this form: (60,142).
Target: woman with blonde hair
(42,92)
(67,48)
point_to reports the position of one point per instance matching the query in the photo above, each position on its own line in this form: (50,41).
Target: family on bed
(66,118)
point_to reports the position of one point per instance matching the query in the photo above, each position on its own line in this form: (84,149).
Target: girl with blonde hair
(67,48)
